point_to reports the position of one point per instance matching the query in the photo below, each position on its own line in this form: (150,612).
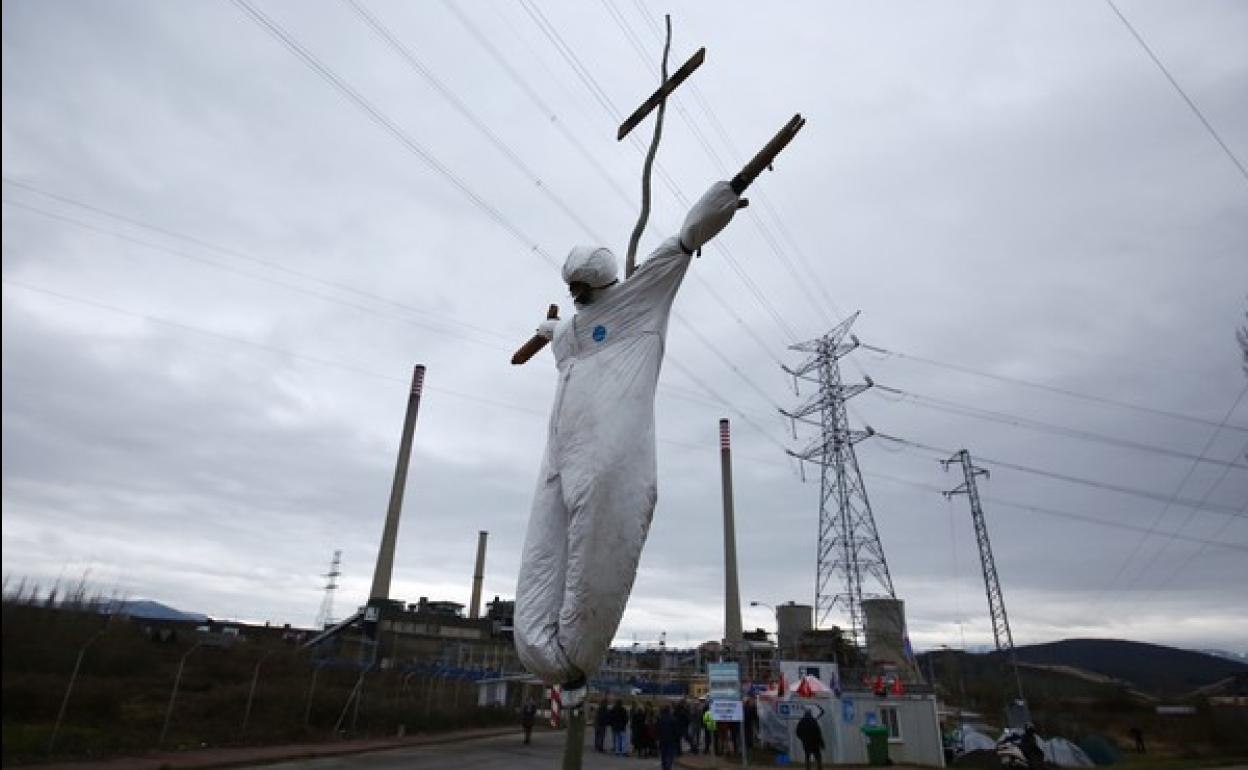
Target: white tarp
(973,740)
(597,489)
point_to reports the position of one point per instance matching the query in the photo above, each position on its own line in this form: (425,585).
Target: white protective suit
(597,489)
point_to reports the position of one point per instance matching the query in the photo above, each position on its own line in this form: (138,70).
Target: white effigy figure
(597,489)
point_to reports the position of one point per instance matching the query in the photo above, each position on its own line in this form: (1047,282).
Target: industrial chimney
(732,592)
(385,555)
(474,607)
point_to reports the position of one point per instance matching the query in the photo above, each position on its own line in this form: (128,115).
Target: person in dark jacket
(636,724)
(681,715)
(751,722)
(811,736)
(602,718)
(668,736)
(1031,748)
(528,715)
(619,725)
(695,726)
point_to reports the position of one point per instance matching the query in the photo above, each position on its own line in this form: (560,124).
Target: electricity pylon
(1001,633)
(325,617)
(850,562)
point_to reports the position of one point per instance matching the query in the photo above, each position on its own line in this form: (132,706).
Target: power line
(274,350)
(785,260)
(542,106)
(1161,514)
(942,452)
(954,407)
(587,78)
(1191,104)
(665,388)
(222,250)
(259,345)
(406,53)
(533,95)
(373,113)
(441,328)
(1215,541)
(394,130)
(1051,388)
(720,401)
(1059,513)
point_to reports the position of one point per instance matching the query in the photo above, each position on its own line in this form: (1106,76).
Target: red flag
(897,689)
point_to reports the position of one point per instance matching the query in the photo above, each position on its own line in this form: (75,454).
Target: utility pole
(996,600)
(850,562)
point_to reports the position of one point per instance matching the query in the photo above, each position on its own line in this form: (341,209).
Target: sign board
(727,711)
(796,710)
(847,711)
(724,680)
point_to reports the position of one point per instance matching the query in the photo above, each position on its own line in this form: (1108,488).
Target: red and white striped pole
(732,591)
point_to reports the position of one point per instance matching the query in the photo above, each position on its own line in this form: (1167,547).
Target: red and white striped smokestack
(732,591)
(389,535)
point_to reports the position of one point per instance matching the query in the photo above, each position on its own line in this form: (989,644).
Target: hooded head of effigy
(588,268)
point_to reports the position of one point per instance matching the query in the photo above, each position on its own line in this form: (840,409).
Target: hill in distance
(1151,668)
(146,608)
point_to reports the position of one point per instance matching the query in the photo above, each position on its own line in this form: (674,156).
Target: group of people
(643,731)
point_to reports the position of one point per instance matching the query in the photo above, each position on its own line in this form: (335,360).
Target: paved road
(505,752)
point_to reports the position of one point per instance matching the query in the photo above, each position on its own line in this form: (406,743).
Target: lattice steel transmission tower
(850,564)
(996,600)
(325,618)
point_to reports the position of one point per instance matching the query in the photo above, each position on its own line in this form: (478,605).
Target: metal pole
(307,712)
(354,692)
(73,677)
(174,695)
(251,694)
(359,696)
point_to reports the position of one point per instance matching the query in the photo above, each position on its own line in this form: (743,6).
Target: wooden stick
(768,154)
(630,264)
(660,95)
(574,741)
(536,342)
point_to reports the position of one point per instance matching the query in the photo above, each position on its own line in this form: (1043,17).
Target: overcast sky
(222,260)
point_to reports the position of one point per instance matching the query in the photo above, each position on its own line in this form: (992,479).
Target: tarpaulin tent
(1062,752)
(807,685)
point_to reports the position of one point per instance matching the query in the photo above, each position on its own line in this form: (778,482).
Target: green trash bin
(877,744)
